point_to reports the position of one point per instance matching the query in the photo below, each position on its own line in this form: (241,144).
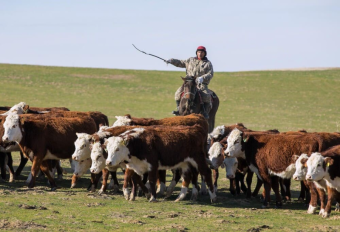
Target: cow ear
(89,137)
(103,146)
(26,108)
(329,161)
(125,142)
(294,158)
(304,162)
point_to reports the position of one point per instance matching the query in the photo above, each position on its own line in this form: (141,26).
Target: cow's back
(168,142)
(56,134)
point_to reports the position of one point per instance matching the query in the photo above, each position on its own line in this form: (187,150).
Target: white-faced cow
(325,165)
(150,149)
(271,155)
(46,138)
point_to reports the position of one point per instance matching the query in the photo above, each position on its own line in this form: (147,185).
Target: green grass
(284,100)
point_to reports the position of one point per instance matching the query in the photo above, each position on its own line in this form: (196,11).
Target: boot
(176,112)
(207,108)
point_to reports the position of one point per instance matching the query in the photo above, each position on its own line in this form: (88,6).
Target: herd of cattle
(145,148)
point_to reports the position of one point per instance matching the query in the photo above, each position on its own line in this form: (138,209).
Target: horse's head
(189,92)
(189,87)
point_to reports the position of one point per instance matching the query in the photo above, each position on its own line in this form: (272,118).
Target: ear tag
(122,142)
(105,150)
(327,164)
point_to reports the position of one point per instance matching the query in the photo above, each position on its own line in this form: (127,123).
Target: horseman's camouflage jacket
(196,68)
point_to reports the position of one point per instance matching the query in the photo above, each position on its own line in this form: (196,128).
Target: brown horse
(191,102)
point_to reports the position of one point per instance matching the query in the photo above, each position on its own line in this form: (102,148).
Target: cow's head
(20,108)
(317,166)
(231,165)
(301,167)
(102,128)
(81,167)
(235,140)
(82,145)
(117,146)
(216,156)
(216,134)
(12,129)
(97,157)
(122,121)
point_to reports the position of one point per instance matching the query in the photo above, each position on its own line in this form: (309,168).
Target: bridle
(190,96)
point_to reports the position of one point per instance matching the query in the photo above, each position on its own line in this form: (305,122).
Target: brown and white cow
(153,148)
(320,185)
(217,137)
(188,120)
(45,138)
(23,108)
(271,155)
(326,166)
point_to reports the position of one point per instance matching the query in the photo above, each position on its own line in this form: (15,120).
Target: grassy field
(284,100)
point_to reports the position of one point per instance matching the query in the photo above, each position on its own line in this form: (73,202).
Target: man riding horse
(201,69)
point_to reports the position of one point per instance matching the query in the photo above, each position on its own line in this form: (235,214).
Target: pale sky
(238,35)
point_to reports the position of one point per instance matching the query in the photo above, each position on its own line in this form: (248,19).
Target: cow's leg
(161,182)
(127,179)
(258,186)
(287,183)
(337,198)
(195,188)
(282,188)
(266,199)
(44,167)
(95,178)
(114,182)
(302,195)
(328,208)
(74,180)
(135,179)
(313,197)
(232,186)
(143,184)
(152,182)
(175,178)
(60,170)
(10,167)
(187,176)
(215,175)
(138,180)
(275,186)
(34,171)
(249,180)
(203,190)
(322,197)
(22,164)
(237,183)
(206,173)
(3,166)
(106,174)
(243,186)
